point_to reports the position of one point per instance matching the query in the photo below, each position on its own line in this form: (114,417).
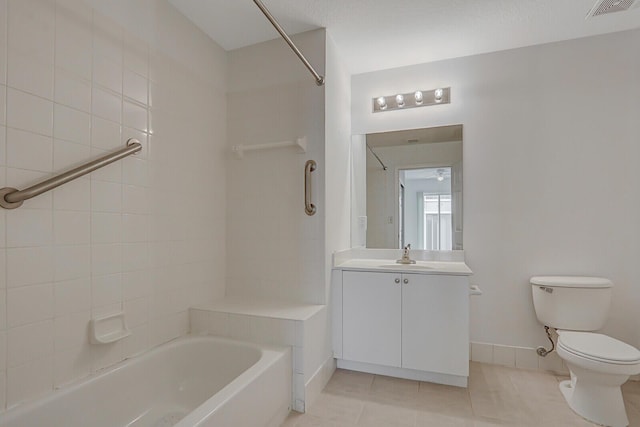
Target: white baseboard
(517,357)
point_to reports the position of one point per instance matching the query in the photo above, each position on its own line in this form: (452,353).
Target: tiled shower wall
(144,235)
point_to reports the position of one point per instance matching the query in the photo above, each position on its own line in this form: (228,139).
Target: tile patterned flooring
(497,396)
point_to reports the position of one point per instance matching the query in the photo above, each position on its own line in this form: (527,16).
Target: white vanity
(408,321)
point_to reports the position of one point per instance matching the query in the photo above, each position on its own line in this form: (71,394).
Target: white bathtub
(192,381)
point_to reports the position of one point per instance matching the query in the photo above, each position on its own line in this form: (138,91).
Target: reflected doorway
(425,208)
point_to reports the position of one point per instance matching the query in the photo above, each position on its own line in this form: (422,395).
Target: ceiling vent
(603,7)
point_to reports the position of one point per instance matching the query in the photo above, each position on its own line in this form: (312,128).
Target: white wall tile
(29,227)
(136,57)
(72,296)
(198,321)
(137,284)
(3,351)
(29,380)
(106,290)
(106,355)
(107,38)
(67,155)
(74,195)
(3,145)
(28,112)
(3,48)
(28,304)
(136,312)
(504,355)
(27,150)
(526,358)
(134,171)
(135,87)
(481,352)
(106,196)
(3,307)
(29,342)
(106,227)
(71,364)
(71,228)
(106,105)
(105,134)
(107,73)
(30,46)
(3,384)
(134,200)
(71,125)
(71,262)
(72,91)
(240,327)
(27,266)
(134,116)
(3,268)
(106,259)
(138,341)
(3,100)
(135,228)
(135,256)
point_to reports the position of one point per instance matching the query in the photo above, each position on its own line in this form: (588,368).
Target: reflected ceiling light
(418,98)
(440,175)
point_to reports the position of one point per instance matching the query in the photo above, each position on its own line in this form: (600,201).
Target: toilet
(599,364)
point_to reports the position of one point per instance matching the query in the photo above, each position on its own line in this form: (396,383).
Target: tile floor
(497,396)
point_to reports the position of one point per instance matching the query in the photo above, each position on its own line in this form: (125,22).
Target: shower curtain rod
(384,167)
(263,8)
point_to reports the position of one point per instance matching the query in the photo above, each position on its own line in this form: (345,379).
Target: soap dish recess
(108,329)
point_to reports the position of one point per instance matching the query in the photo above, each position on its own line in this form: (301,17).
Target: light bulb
(440,178)
(418,97)
(437,94)
(400,100)
(382,103)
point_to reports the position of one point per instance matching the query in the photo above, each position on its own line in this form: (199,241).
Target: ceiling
(373,35)
(415,136)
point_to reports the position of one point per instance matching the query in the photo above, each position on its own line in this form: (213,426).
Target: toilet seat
(598,348)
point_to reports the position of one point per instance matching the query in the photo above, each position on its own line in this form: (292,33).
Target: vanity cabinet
(405,324)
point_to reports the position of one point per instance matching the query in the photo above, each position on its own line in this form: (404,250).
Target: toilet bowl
(599,365)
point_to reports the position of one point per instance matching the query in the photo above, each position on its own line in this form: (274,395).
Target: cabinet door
(371,318)
(435,323)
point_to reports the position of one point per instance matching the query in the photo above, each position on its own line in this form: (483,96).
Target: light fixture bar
(419,98)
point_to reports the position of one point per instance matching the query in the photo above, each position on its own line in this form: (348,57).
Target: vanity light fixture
(419,98)
(381,103)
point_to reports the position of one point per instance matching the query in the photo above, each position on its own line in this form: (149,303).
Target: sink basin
(398,266)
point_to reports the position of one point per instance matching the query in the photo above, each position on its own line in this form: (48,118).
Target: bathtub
(191,381)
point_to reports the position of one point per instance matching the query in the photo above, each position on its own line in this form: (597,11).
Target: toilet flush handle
(546,289)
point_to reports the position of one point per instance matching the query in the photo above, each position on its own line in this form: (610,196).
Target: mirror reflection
(408,189)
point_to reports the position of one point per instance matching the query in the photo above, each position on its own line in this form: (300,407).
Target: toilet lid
(598,347)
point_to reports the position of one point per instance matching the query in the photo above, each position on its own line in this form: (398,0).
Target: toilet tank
(570,302)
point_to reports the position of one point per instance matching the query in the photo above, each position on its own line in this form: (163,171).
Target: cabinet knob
(397,280)
(405,281)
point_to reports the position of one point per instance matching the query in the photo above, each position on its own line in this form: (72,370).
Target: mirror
(407,189)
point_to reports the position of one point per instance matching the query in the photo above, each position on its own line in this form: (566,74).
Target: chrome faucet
(406,258)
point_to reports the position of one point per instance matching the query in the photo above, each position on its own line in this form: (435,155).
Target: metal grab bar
(309,208)
(294,48)
(11,198)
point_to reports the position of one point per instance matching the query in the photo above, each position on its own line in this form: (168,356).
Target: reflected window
(437,230)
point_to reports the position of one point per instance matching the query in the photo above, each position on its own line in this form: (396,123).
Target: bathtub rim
(265,350)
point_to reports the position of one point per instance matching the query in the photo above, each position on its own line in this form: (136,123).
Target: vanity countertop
(458,268)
